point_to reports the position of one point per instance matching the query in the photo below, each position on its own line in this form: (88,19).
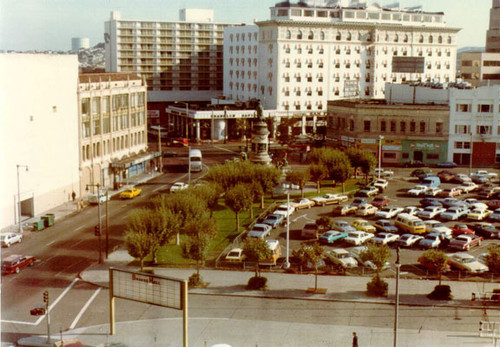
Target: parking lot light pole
(19,198)
(287,261)
(380,138)
(396,306)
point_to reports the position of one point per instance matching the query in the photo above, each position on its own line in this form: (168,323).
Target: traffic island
(316,290)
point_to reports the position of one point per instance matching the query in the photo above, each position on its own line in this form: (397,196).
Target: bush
(377,286)
(195,281)
(440,292)
(257,283)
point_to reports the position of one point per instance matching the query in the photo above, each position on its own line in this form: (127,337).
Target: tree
(367,163)
(209,192)
(318,173)
(298,177)
(337,163)
(201,232)
(310,254)
(163,225)
(435,260)
(238,199)
(341,170)
(137,236)
(354,155)
(378,255)
(267,177)
(285,130)
(493,259)
(256,250)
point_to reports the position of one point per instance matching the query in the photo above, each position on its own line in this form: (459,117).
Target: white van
(195,160)
(410,224)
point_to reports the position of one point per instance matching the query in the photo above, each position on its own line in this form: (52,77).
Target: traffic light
(97,230)
(45,296)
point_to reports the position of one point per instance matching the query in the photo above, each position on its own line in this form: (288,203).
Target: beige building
(113,129)
(480,68)
(408,132)
(493,33)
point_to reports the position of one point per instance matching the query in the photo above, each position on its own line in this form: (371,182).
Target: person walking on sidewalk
(354,340)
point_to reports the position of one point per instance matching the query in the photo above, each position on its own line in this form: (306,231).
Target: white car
(430,241)
(100,198)
(417,190)
(433,191)
(342,257)
(177,186)
(430,212)
(468,187)
(490,175)
(454,213)
(385,238)
(235,255)
(408,240)
(366,210)
(260,231)
(285,210)
(381,184)
(388,212)
(302,203)
(358,237)
(462,178)
(411,210)
(383,172)
(478,214)
(10,238)
(328,199)
(434,226)
(465,261)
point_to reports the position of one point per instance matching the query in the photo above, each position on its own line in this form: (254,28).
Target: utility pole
(47,313)
(396,308)
(107,223)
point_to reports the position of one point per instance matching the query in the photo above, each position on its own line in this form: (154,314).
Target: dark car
(430,202)
(448,164)
(449,202)
(461,229)
(386,226)
(15,263)
(380,201)
(359,201)
(414,163)
(493,204)
(479,179)
(446,176)
(419,173)
(486,230)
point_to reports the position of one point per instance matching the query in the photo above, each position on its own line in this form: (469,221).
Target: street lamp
(396,308)
(287,261)
(159,128)
(471,150)
(187,116)
(380,138)
(19,197)
(98,227)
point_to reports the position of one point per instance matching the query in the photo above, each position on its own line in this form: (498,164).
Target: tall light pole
(287,261)
(19,198)
(187,116)
(396,308)
(98,227)
(380,138)
(471,152)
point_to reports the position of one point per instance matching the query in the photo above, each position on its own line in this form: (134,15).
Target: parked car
(408,240)
(358,237)
(433,191)
(468,187)
(430,212)
(487,192)
(417,190)
(329,199)
(429,266)
(343,226)
(470,202)
(385,225)
(341,257)
(414,163)
(479,179)
(461,178)
(15,263)
(460,229)
(465,242)
(359,201)
(366,210)
(130,193)
(430,202)
(342,210)
(495,215)
(447,164)
(8,239)
(331,236)
(356,253)
(433,240)
(310,231)
(493,204)
(434,226)
(235,255)
(367,191)
(388,212)
(178,186)
(299,204)
(363,225)
(260,231)
(385,238)
(411,210)
(490,175)
(285,210)
(478,214)
(467,262)
(455,213)
(419,173)
(98,198)
(446,176)
(380,201)
(383,172)
(274,220)
(486,230)
(381,184)
(450,192)
(448,202)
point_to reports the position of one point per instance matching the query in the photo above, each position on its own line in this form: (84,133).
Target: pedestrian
(354,340)
(73,196)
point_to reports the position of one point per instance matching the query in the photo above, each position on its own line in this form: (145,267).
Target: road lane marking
(80,227)
(84,308)
(68,288)
(48,244)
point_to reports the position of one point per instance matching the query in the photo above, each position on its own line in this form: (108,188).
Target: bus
(195,160)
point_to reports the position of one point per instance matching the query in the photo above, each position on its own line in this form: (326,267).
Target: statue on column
(260,141)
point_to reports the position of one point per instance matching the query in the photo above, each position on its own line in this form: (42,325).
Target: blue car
(274,220)
(448,164)
(331,236)
(385,225)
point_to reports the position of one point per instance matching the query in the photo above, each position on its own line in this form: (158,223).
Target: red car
(465,242)
(15,263)
(380,201)
(462,229)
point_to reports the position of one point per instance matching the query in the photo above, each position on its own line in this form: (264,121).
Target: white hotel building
(305,55)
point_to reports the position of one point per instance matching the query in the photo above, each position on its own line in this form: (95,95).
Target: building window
(483,129)
(366,126)
(462,145)
(432,156)
(288,34)
(439,128)
(402,126)
(422,127)
(383,126)
(299,35)
(351,125)
(484,108)
(310,36)
(390,155)
(463,107)
(413,126)
(338,37)
(393,126)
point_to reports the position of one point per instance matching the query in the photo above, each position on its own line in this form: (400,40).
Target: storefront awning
(136,159)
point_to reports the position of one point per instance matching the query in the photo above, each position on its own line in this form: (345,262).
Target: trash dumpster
(48,219)
(39,225)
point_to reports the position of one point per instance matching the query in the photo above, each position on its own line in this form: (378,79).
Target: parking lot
(396,191)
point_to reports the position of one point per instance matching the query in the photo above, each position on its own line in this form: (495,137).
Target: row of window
(481,108)
(390,126)
(109,146)
(97,105)
(97,125)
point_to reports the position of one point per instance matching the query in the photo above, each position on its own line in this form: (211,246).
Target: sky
(50,24)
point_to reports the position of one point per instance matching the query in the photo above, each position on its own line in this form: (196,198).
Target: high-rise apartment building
(493,33)
(179,60)
(306,54)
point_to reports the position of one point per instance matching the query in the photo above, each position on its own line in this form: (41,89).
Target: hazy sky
(50,24)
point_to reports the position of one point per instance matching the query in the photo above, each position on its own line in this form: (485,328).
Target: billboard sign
(408,64)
